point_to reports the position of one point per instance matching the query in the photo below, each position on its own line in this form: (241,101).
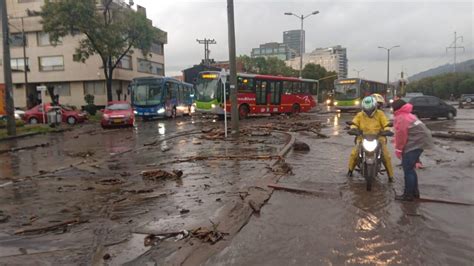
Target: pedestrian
(411,138)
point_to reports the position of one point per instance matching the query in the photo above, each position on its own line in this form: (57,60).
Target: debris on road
(3,217)
(184,211)
(300,146)
(457,135)
(25,148)
(208,235)
(161,174)
(84,154)
(110,181)
(63,225)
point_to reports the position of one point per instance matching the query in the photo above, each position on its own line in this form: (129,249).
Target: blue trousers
(409,160)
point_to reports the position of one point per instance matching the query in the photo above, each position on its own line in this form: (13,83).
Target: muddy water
(345,224)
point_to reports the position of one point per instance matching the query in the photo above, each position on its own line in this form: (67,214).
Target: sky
(422,28)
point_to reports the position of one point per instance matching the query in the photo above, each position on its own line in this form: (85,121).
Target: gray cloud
(423,29)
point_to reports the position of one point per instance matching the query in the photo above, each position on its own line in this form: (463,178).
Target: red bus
(257,94)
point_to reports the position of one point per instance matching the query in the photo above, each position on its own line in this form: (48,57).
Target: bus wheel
(243,111)
(296,108)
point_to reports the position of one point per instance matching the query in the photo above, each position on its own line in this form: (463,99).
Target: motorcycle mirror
(350,123)
(390,124)
(387,133)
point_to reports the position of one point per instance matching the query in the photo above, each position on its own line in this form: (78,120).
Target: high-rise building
(56,65)
(292,38)
(331,58)
(273,49)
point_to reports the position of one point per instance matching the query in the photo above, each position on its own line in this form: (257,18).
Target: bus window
(296,87)
(287,87)
(245,84)
(306,87)
(275,92)
(261,92)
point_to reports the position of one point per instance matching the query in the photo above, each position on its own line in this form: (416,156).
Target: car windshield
(147,93)
(119,106)
(206,89)
(346,91)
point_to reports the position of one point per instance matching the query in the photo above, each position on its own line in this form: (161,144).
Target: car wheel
(71,120)
(296,109)
(33,120)
(450,116)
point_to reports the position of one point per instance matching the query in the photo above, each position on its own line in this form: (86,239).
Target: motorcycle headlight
(369,145)
(161,110)
(391,101)
(328,101)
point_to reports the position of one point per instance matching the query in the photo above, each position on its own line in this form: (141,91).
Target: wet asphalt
(341,224)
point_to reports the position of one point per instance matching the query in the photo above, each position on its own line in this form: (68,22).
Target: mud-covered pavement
(91,181)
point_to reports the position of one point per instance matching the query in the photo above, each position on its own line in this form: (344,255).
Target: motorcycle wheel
(369,174)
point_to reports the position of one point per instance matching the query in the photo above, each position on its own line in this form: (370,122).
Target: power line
(207,52)
(455,47)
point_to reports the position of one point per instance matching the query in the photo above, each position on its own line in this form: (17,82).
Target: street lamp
(388,63)
(301,17)
(358,71)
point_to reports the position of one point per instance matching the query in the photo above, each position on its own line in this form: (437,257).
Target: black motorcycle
(369,159)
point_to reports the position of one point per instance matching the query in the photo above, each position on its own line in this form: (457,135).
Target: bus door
(261,95)
(274,95)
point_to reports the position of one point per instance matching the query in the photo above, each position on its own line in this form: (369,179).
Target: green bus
(349,92)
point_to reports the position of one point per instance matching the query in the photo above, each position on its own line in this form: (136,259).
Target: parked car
(466,100)
(117,113)
(432,107)
(35,115)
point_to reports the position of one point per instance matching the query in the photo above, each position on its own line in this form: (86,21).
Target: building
(331,58)
(273,49)
(292,39)
(55,64)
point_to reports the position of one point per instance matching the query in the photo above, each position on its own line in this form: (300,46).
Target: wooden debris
(208,235)
(110,182)
(25,148)
(161,174)
(457,135)
(61,225)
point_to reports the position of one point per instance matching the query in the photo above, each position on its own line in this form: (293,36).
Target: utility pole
(388,65)
(358,71)
(25,61)
(234,116)
(11,125)
(207,52)
(456,47)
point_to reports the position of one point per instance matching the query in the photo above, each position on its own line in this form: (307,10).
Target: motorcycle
(369,160)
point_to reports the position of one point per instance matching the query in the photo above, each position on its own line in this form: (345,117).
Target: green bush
(90,107)
(3,123)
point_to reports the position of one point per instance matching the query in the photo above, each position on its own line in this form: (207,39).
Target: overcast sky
(423,29)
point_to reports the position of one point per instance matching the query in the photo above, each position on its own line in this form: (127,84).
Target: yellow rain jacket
(372,125)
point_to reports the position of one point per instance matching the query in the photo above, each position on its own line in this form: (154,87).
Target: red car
(118,113)
(35,115)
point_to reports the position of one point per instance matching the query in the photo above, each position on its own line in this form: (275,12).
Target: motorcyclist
(371,121)
(379,99)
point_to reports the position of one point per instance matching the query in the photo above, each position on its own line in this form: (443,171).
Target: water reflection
(161,129)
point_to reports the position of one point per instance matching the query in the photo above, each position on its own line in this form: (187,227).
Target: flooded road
(346,225)
(92,178)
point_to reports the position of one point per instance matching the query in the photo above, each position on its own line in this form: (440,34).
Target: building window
(44,39)
(94,88)
(61,89)
(146,66)
(28,1)
(16,40)
(125,62)
(51,63)
(157,48)
(18,64)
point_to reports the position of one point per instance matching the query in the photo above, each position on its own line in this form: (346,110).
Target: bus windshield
(147,93)
(346,91)
(206,89)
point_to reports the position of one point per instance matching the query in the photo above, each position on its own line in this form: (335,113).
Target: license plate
(147,113)
(117,121)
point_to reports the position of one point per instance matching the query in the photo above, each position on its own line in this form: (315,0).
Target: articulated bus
(155,97)
(257,94)
(349,92)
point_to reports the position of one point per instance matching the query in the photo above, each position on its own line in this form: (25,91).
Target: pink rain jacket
(410,132)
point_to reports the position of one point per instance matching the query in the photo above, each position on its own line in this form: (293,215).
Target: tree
(110,30)
(313,71)
(266,66)
(444,85)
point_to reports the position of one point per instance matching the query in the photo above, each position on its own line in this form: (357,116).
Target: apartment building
(55,64)
(295,39)
(273,49)
(331,58)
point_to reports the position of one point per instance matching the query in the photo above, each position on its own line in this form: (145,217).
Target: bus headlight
(213,106)
(161,110)
(335,103)
(328,101)
(357,102)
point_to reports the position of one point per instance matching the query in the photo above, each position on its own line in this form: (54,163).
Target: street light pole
(301,17)
(7,71)
(234,115)
(388,63)
(358,71)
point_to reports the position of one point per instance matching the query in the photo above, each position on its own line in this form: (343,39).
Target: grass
(95,118)
(27,129)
